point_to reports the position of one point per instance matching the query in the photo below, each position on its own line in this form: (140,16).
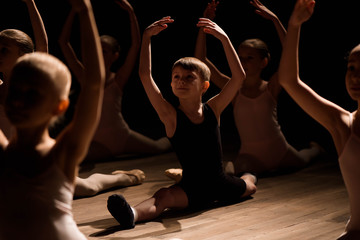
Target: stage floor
(308,204)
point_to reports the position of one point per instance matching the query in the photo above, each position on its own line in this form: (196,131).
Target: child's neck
(32,137)
(253,82)
(193,110)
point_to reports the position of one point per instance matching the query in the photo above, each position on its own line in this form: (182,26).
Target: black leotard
(198,148)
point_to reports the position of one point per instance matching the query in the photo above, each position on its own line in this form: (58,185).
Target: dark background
(325,41)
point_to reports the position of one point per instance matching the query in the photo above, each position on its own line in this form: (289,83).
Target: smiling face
(186,83)
(190,78)
(352,77)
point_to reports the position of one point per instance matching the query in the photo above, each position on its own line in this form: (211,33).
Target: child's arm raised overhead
(41,39)
(217,77)
(124,72)
(264,12)
(325,112)
(70,56)
(220,101)
(75,139)
(164,109)
(267,14)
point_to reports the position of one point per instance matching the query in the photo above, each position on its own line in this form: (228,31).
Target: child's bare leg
(298,159)
(172,197)
(99,182)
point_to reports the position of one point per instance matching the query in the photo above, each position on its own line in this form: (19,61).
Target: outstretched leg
(295,160)
(97,182)
(127,216)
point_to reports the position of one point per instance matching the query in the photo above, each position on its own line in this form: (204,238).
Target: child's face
(251,60)
(186,83)
(352,77)
(30,101)
(9,53)
(109,55)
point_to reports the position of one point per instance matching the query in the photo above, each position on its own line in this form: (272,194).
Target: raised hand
(302,12)
(211,27)
(158,26)
(262,10)
(210,10)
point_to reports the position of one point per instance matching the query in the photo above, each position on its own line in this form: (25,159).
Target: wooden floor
(309,204)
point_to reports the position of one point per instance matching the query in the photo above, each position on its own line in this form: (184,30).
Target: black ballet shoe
(121,211)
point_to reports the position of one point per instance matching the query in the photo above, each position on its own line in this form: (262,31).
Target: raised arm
(263,11)
(326,113)
(76,138)
(220,101)
(124,72)
(267,14)
(70,56)
(41,39)
(163,108)
(217,77)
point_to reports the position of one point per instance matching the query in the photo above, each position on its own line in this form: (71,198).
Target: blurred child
(13,44)
(193,130)
(113,136)
(343,125)
(38,172)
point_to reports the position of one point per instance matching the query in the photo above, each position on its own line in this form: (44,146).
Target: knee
(164,195)
(85,188)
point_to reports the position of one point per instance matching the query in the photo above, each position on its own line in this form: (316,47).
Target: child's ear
(206,85)
(265,62)
(116,56)
(62,107)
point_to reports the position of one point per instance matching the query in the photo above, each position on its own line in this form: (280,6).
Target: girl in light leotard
(343,125)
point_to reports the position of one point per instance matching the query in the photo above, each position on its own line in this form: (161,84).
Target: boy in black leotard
(193,129)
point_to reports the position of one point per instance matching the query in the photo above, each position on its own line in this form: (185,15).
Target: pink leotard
(258,128)
(349,161)
(37,207)
(112,131)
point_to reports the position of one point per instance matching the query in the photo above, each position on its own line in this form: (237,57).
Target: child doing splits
(193,129)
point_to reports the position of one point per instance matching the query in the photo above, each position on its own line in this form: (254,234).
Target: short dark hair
(21,39)
(191,63)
